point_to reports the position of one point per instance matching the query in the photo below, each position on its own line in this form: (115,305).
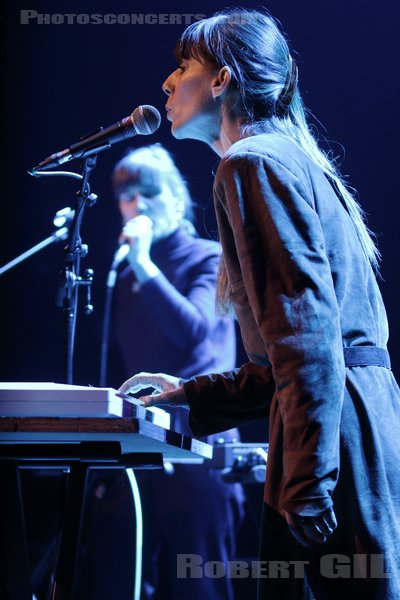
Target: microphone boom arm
(56,236)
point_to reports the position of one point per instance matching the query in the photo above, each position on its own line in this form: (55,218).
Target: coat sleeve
(217,401)
(278,250)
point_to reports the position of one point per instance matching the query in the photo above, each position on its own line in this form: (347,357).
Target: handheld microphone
(144,120)
(120,254)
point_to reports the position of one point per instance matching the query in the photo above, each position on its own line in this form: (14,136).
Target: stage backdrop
(67,70)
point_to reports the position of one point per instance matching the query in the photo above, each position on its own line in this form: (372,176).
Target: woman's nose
(167,86)
(129,206)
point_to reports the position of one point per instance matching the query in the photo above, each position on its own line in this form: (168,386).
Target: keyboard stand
(76,445)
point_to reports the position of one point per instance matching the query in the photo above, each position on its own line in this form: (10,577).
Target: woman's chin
(187,133)
(178,132)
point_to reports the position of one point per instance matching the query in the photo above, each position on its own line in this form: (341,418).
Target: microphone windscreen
(146,119)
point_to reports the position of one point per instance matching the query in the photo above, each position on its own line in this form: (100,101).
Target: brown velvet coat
(302,289)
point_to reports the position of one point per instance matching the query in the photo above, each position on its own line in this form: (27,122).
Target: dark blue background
(62,81)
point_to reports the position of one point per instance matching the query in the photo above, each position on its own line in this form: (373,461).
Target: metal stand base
(78,459)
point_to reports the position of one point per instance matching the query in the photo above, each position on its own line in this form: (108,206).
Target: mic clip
(59,158)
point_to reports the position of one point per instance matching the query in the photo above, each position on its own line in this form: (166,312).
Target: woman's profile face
(191,106)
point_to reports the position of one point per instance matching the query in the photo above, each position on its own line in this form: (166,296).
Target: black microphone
(143,121)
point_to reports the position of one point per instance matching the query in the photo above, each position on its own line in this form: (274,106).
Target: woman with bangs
(299,271)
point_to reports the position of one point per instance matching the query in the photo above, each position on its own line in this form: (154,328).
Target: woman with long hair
(299,271)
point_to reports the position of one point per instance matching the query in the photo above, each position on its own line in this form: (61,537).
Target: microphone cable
(111,281)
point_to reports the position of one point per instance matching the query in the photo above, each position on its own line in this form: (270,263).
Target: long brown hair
(264,93)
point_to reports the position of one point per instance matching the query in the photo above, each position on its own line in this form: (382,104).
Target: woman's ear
(221,81)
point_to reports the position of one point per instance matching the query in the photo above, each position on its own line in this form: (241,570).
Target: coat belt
(364,356)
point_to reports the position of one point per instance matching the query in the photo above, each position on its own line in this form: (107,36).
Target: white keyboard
(47,399)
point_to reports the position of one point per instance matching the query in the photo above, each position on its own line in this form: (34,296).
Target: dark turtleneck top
(170,324)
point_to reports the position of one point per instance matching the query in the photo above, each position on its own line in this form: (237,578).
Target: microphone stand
(69,278)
